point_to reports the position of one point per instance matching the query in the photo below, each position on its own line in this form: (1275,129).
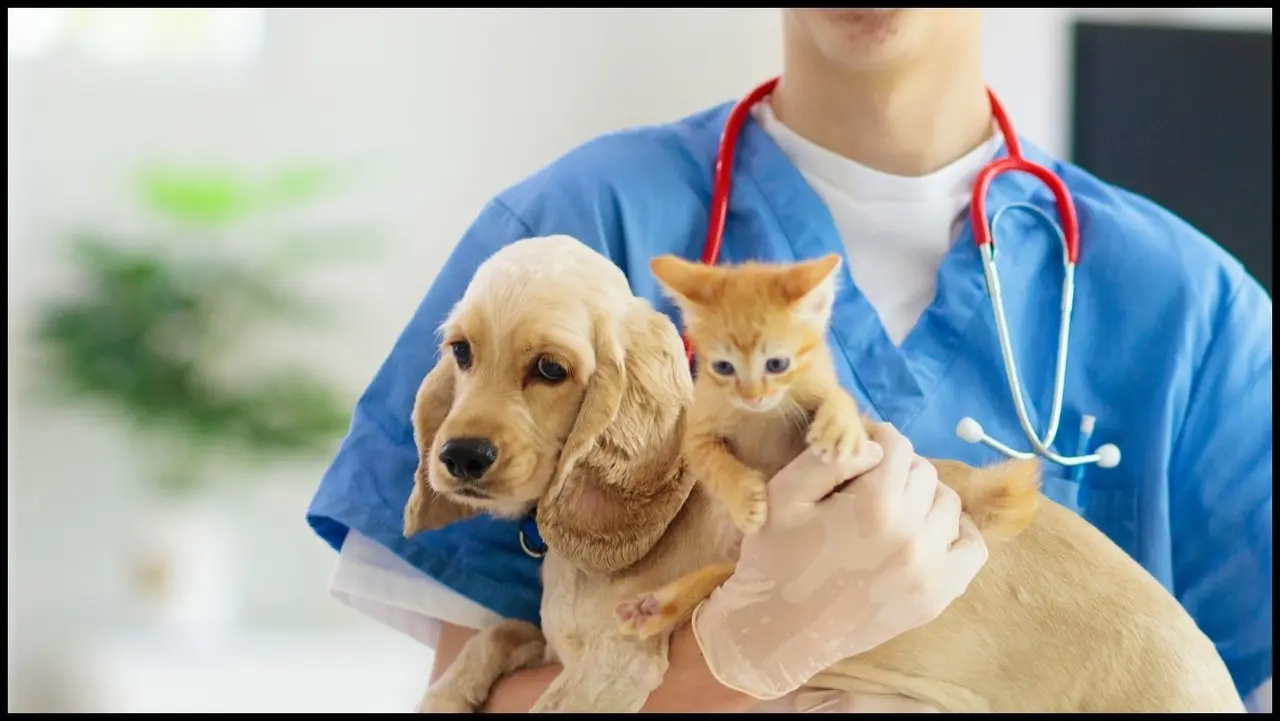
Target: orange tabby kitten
(766,387)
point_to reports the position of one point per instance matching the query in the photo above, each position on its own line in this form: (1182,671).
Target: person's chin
(868,38)
(866,23)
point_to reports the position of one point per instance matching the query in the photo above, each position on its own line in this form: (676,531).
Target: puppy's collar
(530,540)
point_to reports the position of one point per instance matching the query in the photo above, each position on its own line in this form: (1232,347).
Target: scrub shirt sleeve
(470,573)
(1220,490)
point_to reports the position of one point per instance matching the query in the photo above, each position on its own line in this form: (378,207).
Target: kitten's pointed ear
(810,286)
(685,282)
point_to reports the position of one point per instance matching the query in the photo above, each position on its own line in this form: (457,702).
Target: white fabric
(1260,700)
(382,586)
(895,229)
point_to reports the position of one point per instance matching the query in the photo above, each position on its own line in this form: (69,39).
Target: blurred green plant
(152,322)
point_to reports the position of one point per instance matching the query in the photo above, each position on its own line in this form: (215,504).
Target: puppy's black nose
(467,459)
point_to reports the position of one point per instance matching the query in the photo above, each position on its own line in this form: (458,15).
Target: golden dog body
(582,391)
(1060,619)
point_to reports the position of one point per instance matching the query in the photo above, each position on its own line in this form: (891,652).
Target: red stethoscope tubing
(1012,162)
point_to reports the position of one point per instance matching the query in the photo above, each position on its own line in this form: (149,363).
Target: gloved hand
(832,576)
(827,700)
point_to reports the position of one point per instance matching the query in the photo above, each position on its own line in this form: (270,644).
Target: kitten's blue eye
(777,365)
(722,368)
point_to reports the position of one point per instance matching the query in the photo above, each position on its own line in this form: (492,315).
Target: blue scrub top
(1170,350)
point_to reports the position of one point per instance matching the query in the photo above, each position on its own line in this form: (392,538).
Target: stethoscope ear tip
(970,431)
(1108,456)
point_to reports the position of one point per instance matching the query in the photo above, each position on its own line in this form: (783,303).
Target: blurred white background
(446,107)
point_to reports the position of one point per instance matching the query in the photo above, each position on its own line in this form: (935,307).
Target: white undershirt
(895,230)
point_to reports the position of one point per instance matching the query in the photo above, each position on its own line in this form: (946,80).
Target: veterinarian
(869,147)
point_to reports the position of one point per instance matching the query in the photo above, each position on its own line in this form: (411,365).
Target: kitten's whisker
(794,414)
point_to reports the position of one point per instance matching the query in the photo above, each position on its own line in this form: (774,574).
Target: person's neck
(906,121)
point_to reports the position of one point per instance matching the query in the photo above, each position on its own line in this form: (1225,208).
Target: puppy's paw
(445,701)
(747,499)
(647,615)
(496,651)
(522,643)
(837,432)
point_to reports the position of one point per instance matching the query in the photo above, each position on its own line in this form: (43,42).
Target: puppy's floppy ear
(427,510)
(625,482)
(602,400)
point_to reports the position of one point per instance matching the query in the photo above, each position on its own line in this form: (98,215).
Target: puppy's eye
(549,370)
(722,368)
(777,365)
(461,353)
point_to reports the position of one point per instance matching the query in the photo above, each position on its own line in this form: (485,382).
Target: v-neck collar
(895,382)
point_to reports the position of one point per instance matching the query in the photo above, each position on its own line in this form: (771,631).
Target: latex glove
(826,700)
(832,576)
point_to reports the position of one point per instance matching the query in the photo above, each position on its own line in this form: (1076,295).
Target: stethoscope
(969,430)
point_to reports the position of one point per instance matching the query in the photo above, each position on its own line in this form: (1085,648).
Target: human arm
(449,644)
(688,685)
(1220,488)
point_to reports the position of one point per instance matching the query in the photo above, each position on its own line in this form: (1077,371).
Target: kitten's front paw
(837,432)
(748,502)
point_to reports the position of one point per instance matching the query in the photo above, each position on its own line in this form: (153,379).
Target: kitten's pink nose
(753,402)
